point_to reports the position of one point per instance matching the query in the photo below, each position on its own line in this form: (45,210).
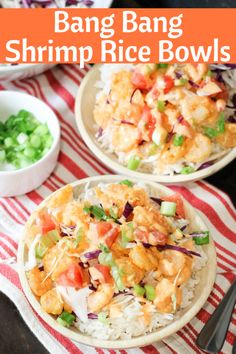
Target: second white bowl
(24,180)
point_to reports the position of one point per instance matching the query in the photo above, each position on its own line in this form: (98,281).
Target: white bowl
(22,181)
(202,290)
(85,101)
(22,71)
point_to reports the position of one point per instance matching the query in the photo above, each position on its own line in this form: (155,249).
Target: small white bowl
(24,180)
(202,290)
(22,71)
(85,101)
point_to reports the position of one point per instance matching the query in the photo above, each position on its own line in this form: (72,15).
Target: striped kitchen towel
(58,88)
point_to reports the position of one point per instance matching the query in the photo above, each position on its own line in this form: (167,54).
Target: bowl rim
(113,163)
(136,341)
(56,137)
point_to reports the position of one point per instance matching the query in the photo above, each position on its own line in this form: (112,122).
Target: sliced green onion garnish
(153,149)
(161,106)
(97,212)
(210,132)
(168,208)
(202,240)
(174,302)
(133,163)
(221,123)
(162,66)
(116,274)
(113,211)
(183,81)
(209,73)
(24,139)
(2,155)
(127,183)
(186,170)
(102,317)
(139,290)
(79,237)
(126,234)
(150,292)
(66,319)
(40,250)
(178,140)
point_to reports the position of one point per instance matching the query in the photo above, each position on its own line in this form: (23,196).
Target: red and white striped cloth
(57,88)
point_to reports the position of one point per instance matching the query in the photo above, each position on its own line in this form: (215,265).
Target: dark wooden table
(15,336)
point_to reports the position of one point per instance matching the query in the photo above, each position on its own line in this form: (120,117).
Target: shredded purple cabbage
(193,84)
(131,97)
(177,248)
(198,234)
(92,316)
(231,119)
(29,3)
(92,255)
(92,287)
(127,210)
(178,75)
(180,119)
(123,121)
(99,132)
(205,165)
(157,200)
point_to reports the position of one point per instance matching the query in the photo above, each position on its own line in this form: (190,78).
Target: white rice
(150,164)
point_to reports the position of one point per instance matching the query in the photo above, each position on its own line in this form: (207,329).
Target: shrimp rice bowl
(116,261)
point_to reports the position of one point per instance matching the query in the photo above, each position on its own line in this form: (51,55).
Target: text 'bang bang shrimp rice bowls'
(166,123)
(116,263)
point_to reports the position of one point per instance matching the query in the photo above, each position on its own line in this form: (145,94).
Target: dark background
(15,337)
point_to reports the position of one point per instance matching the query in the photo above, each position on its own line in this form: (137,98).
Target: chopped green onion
(126,234)
(150,292)
(183,81)
(116,274)
(102,317)
(162,66)
(40,250)
(113,211)
(178,140)
(161,106)
(127,183)
(133,163)
(66,319)
(168,208)
(24,139)
(8,142)
(104,248)
(105,258)
(97,212)
(210,132)
(153,149)
(209,73)
(2,155)
(139,290)
(186,170)
(79,237)
(202,240)
(221,123)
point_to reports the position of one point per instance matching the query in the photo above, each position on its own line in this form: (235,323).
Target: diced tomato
(46,223)
(108,232)
(157,238)
(141,235)
(140,81)
(105,273)
(113,234)
(103,227)
(176,198)
(169,83)
(73,277)
(150,121)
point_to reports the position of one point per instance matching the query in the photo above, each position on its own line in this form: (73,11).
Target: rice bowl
(96,86)
(117,334)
